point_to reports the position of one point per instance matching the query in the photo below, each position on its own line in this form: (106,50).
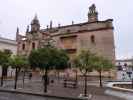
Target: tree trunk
(23,77)
(76,78)
(85,83)
(109,75)
(16,78)
(100,78)
(4,74)
(132,82)
(2,77)
(45,80)
(58,75)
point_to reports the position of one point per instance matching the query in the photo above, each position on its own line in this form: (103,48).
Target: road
(14,96)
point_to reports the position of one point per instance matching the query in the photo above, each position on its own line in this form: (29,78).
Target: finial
(72,22)
(51,24)
(59,25)
(17,34)
(17,30)
(47,27)
(35,18)
(27,30)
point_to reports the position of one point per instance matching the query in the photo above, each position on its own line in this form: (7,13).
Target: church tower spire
(35,24)
(93,14)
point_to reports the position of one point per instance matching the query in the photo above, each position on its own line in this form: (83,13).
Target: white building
(7,44)
(124,69)
(129,62)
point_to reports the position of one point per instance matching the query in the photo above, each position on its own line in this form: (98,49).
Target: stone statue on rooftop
(92,8)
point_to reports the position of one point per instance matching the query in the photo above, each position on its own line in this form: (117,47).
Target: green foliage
(102,64)
(18,62)
(60,60)
(4,63)
(84,61)
(40,58)
(87,61)
(48,58)
(4,59)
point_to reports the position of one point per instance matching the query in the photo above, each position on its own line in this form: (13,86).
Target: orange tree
(18,62)
(84,62)
(60,60)
(48,58)
(4,63)
(102,64)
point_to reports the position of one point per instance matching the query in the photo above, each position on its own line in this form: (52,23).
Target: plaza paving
(35,86)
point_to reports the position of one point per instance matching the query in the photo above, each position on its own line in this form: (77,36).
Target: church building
(95,35)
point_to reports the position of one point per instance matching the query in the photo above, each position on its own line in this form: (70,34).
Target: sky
(19,13)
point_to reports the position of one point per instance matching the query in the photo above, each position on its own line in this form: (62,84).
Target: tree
(17,62)
(25,67)
(46,58)
(61,60)
(102,64)
(84,61)
(4,62)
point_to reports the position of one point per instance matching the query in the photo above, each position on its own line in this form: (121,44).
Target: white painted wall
(10,45)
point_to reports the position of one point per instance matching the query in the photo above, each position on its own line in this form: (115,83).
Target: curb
(42,95)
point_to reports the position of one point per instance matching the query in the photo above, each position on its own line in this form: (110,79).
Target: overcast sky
(19,13)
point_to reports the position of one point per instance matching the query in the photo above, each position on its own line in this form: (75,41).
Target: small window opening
(33,45)
(92,39)
(23,46)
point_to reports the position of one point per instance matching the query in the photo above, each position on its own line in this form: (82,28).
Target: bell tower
(93,14)
(35,25)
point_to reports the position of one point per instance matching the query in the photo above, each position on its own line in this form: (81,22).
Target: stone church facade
(95,35)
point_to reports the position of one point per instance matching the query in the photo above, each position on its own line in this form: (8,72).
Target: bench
(70,83)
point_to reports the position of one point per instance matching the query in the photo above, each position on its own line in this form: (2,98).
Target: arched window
(23,46)
(92,39)
(33,45)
